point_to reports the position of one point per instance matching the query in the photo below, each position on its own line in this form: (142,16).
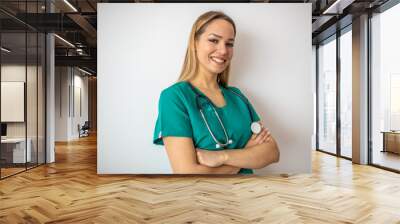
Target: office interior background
(48,97)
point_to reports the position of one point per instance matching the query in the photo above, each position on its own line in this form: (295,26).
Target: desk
(15,148)
(391,141)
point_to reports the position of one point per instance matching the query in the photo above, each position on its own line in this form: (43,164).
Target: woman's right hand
(256,139)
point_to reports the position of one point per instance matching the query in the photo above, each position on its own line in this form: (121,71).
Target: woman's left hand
(211,158)
(256,139)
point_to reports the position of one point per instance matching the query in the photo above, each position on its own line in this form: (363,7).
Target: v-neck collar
(204,95)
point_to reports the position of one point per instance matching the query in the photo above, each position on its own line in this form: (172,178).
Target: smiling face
(214,47)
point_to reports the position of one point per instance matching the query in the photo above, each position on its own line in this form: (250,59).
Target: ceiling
(76,22)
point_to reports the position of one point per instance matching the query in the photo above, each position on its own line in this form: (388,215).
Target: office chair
(84,130)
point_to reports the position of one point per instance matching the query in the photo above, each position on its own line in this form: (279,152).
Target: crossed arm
(260,151)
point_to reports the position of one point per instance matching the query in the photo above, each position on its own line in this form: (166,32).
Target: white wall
(61,103)
(142,55)
(16,73)
(67,81)
(12,101)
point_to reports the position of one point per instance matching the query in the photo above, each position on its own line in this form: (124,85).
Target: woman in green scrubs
(203,84)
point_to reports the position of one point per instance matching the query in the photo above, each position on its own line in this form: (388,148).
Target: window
(346,93)
(385,88)
(327,96)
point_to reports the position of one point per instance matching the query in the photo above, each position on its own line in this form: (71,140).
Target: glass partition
(385,89)
(327,96)
(32,95)
(346,93)
(22,77)
(13,110)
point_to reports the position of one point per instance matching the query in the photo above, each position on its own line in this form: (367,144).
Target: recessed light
(5,50)
(70,5)
(64,40)
(84,71)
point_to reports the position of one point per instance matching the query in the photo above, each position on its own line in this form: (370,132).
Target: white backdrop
(12,101)
(141,48)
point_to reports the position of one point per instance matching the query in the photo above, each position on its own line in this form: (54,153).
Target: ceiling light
(70,5)
(84,71)
(337,7)
(5,50)
(64,40)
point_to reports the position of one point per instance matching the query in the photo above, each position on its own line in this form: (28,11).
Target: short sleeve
(253,111)
(173,118)
(255,115)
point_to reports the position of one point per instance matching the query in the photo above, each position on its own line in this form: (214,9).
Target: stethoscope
(255,126)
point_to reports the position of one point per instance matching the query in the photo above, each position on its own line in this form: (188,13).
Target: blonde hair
(191,63)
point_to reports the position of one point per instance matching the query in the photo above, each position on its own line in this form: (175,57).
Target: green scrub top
(178,115)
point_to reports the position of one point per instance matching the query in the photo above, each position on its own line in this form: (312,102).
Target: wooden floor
(387,159)
(5,172)
(70,191)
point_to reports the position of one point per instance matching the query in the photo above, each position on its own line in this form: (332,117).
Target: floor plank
(70,191)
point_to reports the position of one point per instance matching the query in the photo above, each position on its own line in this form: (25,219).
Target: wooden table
(391,141)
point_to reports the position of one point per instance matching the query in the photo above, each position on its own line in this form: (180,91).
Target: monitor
(3,129)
